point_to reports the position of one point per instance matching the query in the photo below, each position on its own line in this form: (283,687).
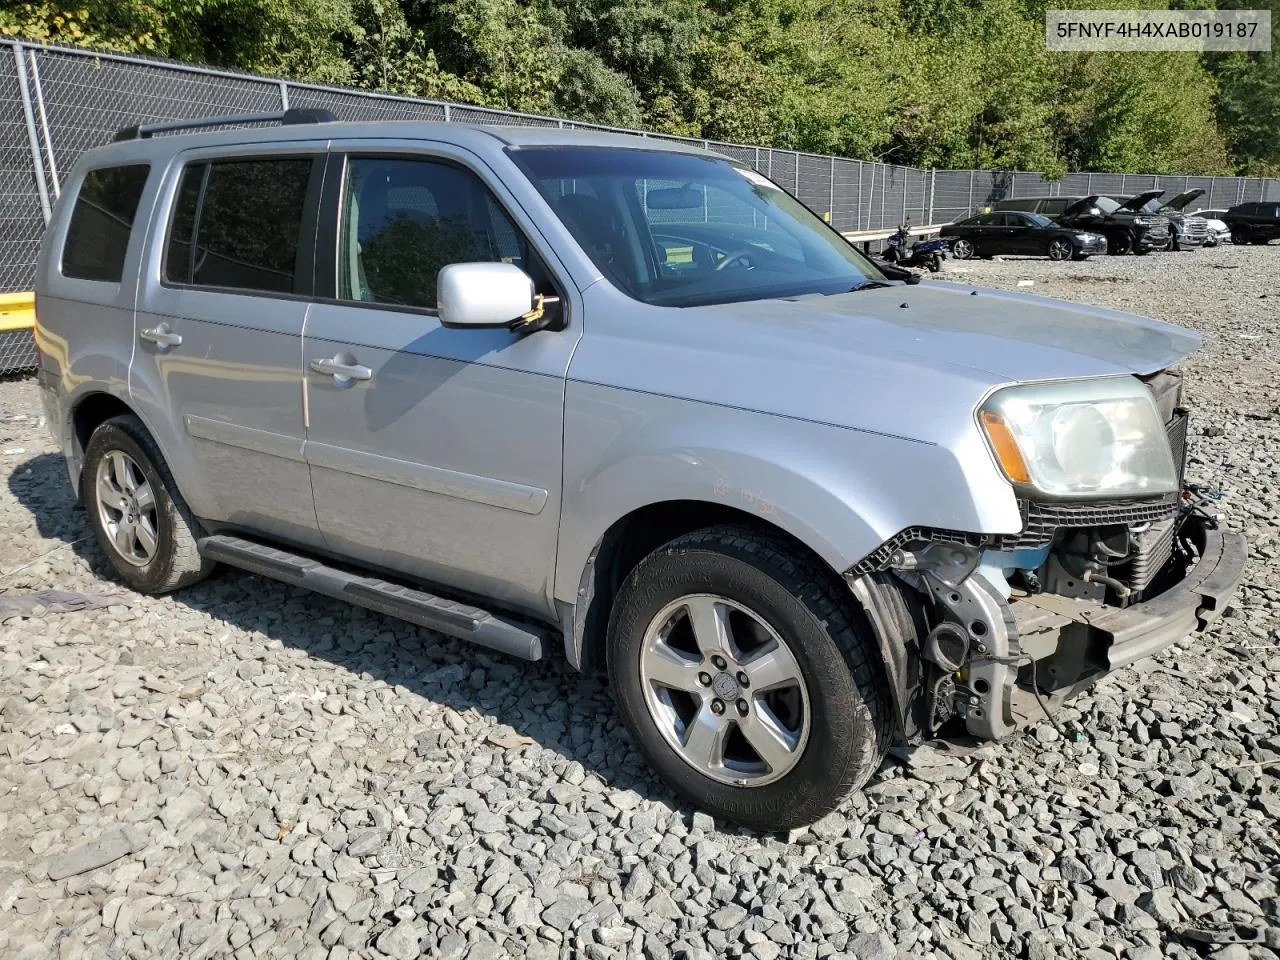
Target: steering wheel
(742,253)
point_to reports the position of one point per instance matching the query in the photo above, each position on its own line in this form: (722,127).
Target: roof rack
(283,117)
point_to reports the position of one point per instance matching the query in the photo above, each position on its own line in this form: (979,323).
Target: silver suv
(562,393)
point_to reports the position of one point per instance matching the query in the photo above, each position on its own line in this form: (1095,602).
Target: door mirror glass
(482,294)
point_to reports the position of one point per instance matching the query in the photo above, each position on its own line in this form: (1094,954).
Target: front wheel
(747,679)
(1119,244)
(1241,235)
(141,521)
(1060,249)
(962,249)
(935,263)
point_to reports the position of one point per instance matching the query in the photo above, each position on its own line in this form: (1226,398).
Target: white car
(1219,232)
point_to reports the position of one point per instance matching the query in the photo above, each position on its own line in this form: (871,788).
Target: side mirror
(483,295)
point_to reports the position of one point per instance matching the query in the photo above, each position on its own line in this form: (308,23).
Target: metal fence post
(32,138)
(933,190)
(448,116)
(54,179)
(284,95)
(831,202)
(857,210)
(972,174)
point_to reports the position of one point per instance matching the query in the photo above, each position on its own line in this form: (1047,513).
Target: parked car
(1219,232)
(1125,228)
(1253,222)
(515,385)
(1016,233)
(1186,231)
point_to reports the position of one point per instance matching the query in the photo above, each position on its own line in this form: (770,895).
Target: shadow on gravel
(546,701)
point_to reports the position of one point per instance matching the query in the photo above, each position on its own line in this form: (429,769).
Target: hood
(1080,206)
(1180,202)
(908,361)
(1136,203)
(1004,336)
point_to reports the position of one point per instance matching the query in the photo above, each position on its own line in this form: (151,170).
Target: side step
(417,606)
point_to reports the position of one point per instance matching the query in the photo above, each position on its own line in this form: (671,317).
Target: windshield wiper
(867,285)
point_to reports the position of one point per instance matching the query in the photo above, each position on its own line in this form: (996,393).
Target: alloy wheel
(127,508)
(962,249)
(1059,249)
(724,690)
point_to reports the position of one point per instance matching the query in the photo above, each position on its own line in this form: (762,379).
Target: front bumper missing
(1064,645)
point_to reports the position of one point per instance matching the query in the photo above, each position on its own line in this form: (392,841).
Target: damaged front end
(1008,627)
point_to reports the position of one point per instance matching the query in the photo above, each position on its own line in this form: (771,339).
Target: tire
(1174,243)
(1118,244)
(934,264)
(122,460)
(836,709)
(962,249)
(1060,248)
(1241,235)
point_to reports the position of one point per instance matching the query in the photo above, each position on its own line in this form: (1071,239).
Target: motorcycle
(924,253)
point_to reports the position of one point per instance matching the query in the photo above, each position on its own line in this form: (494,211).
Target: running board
(449,617)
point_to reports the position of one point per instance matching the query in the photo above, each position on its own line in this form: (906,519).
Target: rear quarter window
(101,221)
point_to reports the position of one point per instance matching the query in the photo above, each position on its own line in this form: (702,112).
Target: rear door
(439,457)
(217,367)
(1023,236)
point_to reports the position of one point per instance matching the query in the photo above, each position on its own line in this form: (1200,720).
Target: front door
(217,369)
(433,452)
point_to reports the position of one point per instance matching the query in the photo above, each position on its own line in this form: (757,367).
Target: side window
(404,219)
(98,234)
(177,256)
(1051,208)
(236,224)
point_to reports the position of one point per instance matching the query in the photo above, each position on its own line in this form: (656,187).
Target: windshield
(1106,205)
(680,230)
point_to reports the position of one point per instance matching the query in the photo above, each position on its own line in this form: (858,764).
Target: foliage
(961,83)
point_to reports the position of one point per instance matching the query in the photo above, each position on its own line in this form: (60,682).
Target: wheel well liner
(91,411)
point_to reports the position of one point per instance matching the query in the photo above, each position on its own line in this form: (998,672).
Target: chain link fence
(57,102)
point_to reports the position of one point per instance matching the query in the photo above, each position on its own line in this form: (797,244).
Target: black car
(1125,228)
(1186,231)
(1253,222)
(1017,233)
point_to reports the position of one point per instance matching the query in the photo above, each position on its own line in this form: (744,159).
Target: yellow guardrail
(17,311)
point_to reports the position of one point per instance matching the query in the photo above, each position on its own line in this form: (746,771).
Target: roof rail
(283,117)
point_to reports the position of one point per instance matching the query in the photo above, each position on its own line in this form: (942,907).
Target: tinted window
(678,230)
(402,220)
(177,259)
(246,224)
(1052,208)
(98,234)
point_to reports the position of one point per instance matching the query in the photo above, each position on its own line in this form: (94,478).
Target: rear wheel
(962,249)
(744,675)
(141,521)
(1060,248)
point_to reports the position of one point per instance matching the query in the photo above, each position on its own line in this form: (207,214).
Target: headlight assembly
(1080,439)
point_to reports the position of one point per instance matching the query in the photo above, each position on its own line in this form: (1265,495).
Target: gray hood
(908,361)
(1006,336)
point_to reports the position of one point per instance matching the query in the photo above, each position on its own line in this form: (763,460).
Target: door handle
(341,371)
(162,336)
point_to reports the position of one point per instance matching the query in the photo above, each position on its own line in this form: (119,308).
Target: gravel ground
(246,769)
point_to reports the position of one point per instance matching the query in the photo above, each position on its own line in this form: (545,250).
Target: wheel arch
(626,542)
